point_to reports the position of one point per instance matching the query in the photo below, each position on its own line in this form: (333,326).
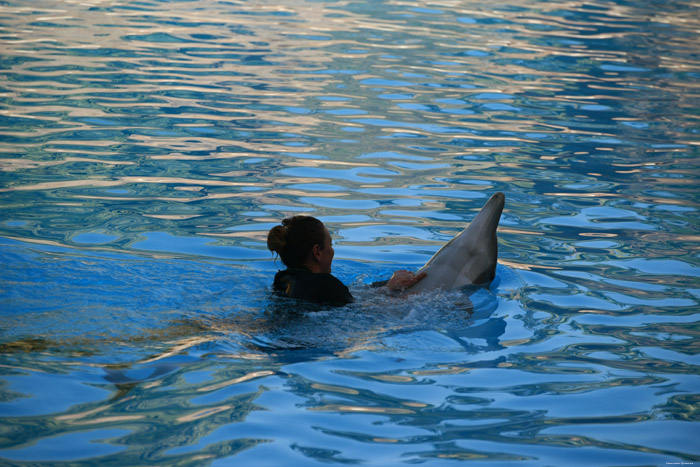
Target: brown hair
(295,238)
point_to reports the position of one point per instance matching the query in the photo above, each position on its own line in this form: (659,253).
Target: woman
(305,247)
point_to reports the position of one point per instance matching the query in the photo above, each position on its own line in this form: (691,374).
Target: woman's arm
(403,279)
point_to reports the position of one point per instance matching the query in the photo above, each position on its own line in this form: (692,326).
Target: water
(148,146)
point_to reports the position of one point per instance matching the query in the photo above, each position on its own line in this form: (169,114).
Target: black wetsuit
(316,287)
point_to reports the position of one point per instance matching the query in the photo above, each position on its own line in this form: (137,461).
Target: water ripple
(147,147)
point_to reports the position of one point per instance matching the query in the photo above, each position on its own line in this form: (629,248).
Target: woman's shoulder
(307,285)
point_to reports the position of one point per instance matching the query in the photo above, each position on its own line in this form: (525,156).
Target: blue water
(146,148)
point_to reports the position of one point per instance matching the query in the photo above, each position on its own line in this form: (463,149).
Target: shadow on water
(196,310)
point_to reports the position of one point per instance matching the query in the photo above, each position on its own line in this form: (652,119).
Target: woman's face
(326,254)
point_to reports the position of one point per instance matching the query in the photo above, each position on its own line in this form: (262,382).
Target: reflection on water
(147,147)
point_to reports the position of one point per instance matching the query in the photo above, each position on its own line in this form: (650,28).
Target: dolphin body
(470,257)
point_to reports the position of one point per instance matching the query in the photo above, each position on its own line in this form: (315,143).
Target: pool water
(146,148)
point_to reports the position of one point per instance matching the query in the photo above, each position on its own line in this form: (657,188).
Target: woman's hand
(403,279)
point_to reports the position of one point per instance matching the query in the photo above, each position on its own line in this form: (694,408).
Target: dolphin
(470,257)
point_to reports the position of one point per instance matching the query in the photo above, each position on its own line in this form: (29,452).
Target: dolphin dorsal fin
(471,256)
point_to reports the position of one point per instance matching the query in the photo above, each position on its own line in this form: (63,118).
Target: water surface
(146,148)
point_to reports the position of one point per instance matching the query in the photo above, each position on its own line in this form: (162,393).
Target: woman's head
(302,241)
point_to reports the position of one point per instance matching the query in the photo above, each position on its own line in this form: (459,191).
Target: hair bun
(277,238)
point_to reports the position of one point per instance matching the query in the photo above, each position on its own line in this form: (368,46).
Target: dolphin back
(470,257)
